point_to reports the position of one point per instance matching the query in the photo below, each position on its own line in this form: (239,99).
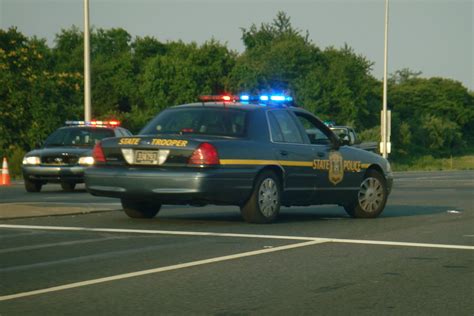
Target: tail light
(205,154)
(98,153)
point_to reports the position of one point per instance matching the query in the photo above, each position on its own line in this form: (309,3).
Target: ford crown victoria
(66,153)
(232,152)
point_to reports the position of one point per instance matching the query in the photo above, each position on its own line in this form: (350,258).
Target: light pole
(87,65)
(385,145)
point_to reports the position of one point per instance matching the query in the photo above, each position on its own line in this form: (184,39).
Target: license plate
(151,157)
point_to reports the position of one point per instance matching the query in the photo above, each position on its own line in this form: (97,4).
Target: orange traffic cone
(5,174)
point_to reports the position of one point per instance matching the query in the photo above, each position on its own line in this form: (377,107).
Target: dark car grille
(60,160)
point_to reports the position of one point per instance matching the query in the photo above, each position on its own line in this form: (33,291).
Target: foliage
(34,99)
(334,83)
(430,163)
(370,134)
(437,115)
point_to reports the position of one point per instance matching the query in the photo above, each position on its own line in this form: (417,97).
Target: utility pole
(385,145)
(87,64)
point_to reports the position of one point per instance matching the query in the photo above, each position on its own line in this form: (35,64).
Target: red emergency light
(217,98)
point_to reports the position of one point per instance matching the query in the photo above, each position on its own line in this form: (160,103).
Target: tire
(68,186)
(140,209)
(371,198)
(263,205)
(32,186)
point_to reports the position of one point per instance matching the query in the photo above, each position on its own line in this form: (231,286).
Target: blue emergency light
(266,98)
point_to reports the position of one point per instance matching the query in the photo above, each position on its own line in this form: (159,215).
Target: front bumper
(54,174)
(180,186)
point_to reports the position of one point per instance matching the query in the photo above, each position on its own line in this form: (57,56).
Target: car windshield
(77,136)
(206,121)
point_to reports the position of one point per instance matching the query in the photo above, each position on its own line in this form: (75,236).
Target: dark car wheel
(32,186)
(140,209)
(371,197)
(68,186)
(264,203)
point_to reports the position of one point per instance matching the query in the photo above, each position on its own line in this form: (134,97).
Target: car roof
(231,105)
(90,127)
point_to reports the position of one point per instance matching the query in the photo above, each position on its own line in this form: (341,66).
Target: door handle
(320,154)
(283,153)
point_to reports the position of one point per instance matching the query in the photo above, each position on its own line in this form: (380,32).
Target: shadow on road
(298,214)
(414,210)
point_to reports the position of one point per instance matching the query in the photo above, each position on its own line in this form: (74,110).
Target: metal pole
(87,66)
(384,110)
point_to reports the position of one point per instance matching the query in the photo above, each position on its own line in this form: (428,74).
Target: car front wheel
(68,186)
(263,205)
(371,197)
(140,209)
(32,186)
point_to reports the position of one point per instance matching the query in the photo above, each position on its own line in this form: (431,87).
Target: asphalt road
(416,259)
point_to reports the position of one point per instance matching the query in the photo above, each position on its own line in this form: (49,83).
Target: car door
(332,164)
(294,154)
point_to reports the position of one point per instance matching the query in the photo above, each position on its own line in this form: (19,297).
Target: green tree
(334,83)
(423,102)
(277,56)
(34,99)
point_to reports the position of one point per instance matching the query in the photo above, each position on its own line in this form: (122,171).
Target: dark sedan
(255,156)
(66,153)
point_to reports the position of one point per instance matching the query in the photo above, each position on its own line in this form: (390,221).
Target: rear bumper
(182,186)
(54,173)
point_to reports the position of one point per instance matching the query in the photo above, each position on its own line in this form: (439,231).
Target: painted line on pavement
(61,203)
(158,270)
(212,234)
(57,244)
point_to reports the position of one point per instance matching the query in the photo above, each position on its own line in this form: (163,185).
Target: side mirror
(344,139)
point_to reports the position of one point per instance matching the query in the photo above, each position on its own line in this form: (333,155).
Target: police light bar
(224,97)
(112,123)
(246,98)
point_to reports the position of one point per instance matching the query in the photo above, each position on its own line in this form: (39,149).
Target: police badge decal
(336,167)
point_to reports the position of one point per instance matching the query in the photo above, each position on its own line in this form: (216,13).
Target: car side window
(315,134)
(277,136)
(284,128)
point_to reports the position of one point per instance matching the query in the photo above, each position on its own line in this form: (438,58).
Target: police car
(66,153)
(258,153)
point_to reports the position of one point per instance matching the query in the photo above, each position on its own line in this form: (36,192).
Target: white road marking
(158,270)
(56,244)
(3,237)
(211,234)
(61,203)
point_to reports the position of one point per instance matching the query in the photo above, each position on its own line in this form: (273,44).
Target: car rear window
(76,136)
(206,121)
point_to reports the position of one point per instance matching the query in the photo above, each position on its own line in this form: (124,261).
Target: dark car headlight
(88,161)
(31,160)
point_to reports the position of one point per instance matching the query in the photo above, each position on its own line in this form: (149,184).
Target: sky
(435,37)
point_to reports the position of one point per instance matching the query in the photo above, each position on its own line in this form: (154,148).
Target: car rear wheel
(263,205)
(140,209)
(371,197)
(32,186)
(68,186)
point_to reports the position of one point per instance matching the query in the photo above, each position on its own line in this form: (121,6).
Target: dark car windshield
(206,121)
(78,136)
